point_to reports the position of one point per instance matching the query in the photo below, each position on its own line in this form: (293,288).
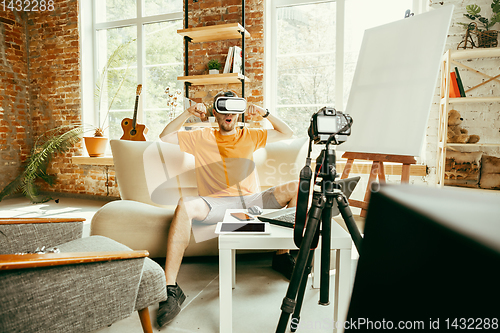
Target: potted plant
(48,144)
(96,144)
(213,66)
(485,36)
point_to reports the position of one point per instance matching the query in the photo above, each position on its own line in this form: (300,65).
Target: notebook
(286,217)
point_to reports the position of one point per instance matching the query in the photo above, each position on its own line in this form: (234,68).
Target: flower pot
(213,71)
(487,38)
(96,146)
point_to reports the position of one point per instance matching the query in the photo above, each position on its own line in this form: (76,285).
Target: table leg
(226,290)
(342,287)
(233,261)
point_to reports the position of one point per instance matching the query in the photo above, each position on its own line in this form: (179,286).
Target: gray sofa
(152,176)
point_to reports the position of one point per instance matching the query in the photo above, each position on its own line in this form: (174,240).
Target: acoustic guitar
(131,129)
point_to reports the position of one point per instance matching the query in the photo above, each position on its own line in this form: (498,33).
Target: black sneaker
(284,263)
(171,307)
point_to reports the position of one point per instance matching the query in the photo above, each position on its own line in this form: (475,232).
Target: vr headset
(229,103)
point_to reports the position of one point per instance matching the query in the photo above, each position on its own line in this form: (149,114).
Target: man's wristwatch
(267,114)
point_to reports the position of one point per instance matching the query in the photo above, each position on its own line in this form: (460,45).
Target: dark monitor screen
(429,256)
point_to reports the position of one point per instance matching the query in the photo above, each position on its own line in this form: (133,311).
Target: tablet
(243,228)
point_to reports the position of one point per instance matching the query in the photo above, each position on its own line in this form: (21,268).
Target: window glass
(164,63)
(142,51)
(305,71)
(305,62)
(117,49)
(156,7)
(114,10)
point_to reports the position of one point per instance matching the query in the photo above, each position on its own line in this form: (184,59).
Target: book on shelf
(454,91)
(229,60)
(459,81)
(237,60)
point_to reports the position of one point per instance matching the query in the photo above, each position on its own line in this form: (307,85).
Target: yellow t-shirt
(224,163)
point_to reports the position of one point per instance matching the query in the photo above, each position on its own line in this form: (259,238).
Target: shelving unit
(210,34)
(449,58)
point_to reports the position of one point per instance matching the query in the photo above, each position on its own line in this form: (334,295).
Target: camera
(328,122)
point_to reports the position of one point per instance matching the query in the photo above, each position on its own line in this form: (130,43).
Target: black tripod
(327,195)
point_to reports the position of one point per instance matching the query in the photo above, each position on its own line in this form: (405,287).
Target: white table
(280,238)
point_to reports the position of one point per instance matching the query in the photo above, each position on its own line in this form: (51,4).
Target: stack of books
(456,86)
(234,60)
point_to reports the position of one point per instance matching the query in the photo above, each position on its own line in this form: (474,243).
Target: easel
(377,170)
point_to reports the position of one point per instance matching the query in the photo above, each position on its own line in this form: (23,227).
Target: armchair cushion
(26,237)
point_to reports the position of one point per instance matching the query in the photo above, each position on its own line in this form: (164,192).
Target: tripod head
(325,174)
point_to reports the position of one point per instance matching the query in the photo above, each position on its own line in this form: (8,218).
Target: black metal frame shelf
(208,34)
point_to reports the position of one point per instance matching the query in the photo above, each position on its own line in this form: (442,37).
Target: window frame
(270,41)
(270,67)
(89,50)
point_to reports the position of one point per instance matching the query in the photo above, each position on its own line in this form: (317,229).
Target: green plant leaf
(56,140)
(495,19)
(12,187)
(473,10)
(495,6)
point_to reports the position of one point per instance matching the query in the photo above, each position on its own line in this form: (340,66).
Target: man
(226,178)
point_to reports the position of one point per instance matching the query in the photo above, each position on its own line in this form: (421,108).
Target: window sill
(87,160)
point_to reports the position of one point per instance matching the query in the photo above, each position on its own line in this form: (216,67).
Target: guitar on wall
(131,129)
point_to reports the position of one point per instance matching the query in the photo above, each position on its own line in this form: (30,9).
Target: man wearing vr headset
(226,178)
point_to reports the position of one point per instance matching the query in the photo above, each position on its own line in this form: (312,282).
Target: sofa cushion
(143,227)
(159,173)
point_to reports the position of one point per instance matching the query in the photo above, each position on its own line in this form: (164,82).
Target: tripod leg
(326,231)
(302,290)
(288,305)
(346,212)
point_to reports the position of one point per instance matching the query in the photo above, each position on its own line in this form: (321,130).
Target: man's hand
(255,113)
(199,110)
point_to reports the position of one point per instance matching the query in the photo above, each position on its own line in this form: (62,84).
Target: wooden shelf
(214,32)
(472,145)
(449,59)
(475,53)
(197,80)
(462,100)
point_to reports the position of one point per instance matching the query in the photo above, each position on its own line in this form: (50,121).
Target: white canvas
(394,84)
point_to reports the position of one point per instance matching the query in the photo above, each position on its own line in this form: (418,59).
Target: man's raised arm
(280,131)
(169,133)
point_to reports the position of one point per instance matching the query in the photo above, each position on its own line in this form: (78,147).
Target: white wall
(482,119)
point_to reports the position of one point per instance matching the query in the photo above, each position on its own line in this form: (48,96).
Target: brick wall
(40,83)
(482,119)
(15,123)
(40,78)
(213,12)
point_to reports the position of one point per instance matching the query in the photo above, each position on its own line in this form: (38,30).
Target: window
(140,36)
(314,48)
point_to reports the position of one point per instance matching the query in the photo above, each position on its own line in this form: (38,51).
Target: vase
(213,71)
(96,145)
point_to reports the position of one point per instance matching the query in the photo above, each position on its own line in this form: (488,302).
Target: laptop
(286,217)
